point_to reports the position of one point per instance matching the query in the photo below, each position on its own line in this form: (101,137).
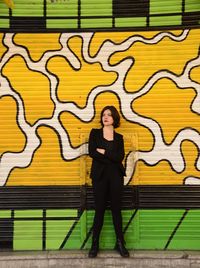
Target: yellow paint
(47,167)
(75,127)
(195,74)
(162,172)
(169,106)
(33,88)
(37,44)
(149,59)
(119,37)
(70,88)
(79,131)
(165,103)
(9,130)
(2,47)
(9,3)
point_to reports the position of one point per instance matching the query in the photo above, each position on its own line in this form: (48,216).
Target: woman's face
(107,118)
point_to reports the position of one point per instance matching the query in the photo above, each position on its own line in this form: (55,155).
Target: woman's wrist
(101,151)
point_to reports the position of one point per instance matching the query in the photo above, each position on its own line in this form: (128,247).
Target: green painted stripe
(91,12)
(149,229)
(23,2)
(163,7)
(130,22)
(188,234)
(56,232)
(96,23)
(89,221)
(28,213)
(154,227)
(132,232)
(94,8)
(100,9)
(5,213)
(78,234)
(62,24)
(28,235)
(64,8)
(28,8)
(61,213)
(4,11)
(95,2)
(165,21)
(4,23)
(108,238)
(27,13)
(192,5)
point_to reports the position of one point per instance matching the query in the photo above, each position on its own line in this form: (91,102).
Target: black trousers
(108,187)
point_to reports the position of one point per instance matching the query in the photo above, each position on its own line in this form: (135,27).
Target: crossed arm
(100,154)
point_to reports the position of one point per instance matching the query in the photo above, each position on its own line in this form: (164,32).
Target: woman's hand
(101,151)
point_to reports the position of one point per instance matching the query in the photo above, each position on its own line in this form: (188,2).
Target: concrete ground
(108,259)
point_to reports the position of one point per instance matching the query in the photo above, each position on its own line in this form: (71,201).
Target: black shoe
(121,249)
(94,249)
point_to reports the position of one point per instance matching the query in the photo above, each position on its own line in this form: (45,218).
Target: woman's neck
(108,133)
(108,128)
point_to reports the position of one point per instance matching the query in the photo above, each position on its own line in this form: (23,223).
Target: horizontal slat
(40,197)
(60,15)
(82,197)
(169,196)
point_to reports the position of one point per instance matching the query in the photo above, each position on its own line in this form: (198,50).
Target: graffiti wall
(57,73)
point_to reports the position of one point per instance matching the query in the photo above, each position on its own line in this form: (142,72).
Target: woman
(106,148)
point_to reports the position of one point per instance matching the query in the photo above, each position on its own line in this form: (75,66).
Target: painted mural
(51,109)
(52,87)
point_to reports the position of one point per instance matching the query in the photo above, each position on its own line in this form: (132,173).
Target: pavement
(108,259)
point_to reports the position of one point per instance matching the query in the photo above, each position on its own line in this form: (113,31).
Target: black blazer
(114,156)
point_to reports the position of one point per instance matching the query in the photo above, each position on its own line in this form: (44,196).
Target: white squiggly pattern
(192,181)
(171,152)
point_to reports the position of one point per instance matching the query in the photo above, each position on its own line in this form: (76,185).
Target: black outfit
(107,174)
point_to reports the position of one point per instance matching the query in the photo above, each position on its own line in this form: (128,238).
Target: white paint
(171,152)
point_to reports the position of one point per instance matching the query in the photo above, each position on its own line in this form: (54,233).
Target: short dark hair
(114,113)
